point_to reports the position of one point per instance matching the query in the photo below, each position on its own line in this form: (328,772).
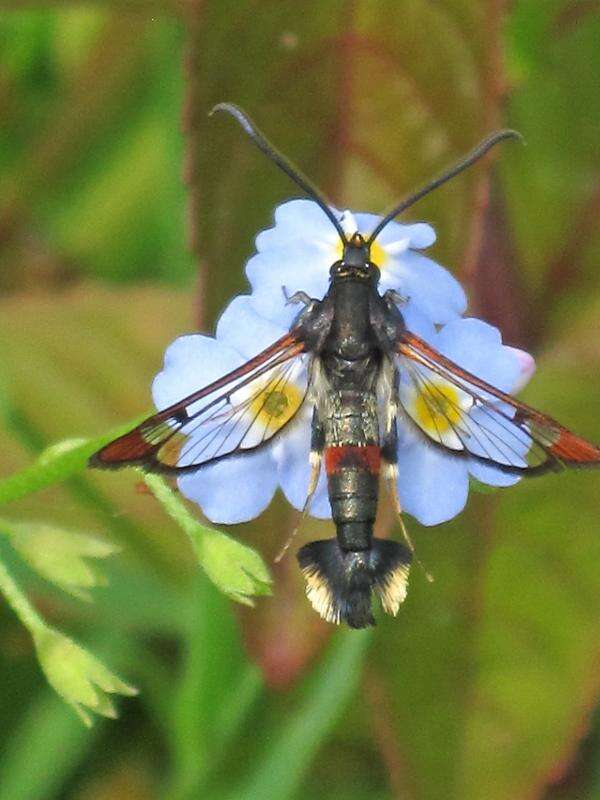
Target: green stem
(174,507)
(19,603)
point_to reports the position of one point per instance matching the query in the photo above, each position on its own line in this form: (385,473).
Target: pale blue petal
(234,490)
(527,367)
(419,234)
(320,507)
(192,362)
(270,306)
(297,220)
(303,219)
(292,451)
(433,486)
(432,288)
(297,266)
(491,475)
(477,347)
(298,252)
(242,328)
(416,322)
(302,266)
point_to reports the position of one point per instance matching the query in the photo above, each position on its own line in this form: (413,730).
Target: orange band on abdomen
(353,457)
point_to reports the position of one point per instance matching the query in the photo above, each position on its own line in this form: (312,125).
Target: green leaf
(292,746)
(59,555)
(78,676)
(235,568)
(45,747)
(216,690)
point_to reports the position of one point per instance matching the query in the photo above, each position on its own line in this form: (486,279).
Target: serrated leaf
(73,672)
(78,676)
(62,557)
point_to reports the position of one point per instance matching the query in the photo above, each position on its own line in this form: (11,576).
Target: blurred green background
(126,216)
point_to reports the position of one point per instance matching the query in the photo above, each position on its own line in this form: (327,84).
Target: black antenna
(481,149)
(261,141)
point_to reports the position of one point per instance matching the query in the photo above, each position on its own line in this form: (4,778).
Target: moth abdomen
(340,583)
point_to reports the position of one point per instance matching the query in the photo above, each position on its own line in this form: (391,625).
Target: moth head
(356,261)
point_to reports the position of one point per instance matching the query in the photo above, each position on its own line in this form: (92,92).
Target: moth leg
(392,297)
(316,451)
(389,458)
(297,298)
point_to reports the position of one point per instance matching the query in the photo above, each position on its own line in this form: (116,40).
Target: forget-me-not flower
(295,255)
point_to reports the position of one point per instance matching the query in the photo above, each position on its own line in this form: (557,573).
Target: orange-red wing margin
(236,413)
(491,426)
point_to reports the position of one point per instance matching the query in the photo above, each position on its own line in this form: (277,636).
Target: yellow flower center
(273,407)
(437,408)
(378,255)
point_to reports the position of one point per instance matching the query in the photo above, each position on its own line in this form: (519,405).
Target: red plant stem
(340,133)
(493,92)
(191,166)
(563,271)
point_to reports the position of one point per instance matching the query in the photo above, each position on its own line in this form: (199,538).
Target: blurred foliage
(485,685)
